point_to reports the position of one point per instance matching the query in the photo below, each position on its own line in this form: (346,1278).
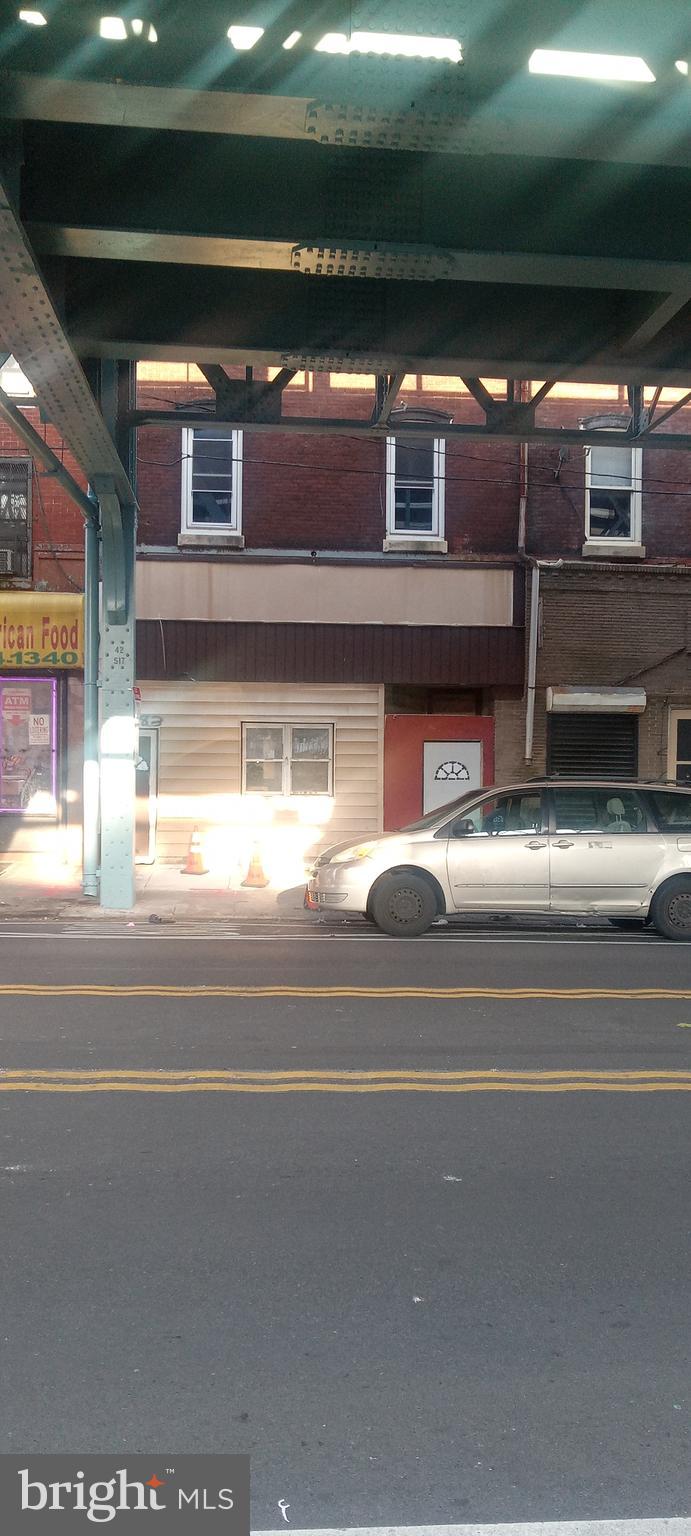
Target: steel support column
(117,732)
(90,774)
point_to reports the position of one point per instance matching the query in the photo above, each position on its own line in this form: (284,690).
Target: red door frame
(404,739)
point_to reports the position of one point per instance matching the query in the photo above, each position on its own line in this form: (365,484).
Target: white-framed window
(211,481)
(289,759)
(679,750)
(415,487)
(613,495)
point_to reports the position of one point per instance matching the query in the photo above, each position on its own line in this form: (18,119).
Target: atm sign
(15,706)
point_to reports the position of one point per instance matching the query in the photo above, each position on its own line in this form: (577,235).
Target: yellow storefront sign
(41,629)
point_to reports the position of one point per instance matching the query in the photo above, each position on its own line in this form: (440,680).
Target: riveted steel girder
(286,320)
(488,104)
(31,330)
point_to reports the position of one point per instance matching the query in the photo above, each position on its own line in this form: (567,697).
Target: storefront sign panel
(41,629)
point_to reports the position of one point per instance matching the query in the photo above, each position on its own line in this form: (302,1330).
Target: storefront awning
(600,701)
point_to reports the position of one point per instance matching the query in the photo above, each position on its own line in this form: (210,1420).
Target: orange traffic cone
(255,875)
(194,863)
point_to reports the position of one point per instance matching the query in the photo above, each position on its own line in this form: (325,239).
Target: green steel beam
(117,733)
(117,730)
(354,213)
(488,104)
(508,423)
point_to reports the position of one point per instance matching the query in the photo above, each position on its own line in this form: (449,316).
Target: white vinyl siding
(200,768)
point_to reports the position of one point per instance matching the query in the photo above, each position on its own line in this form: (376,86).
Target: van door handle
(564,843)
(536,845)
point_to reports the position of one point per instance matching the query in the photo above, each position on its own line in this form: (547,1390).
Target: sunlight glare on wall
(397,44)
(572,390)
(243,38)
(589,66)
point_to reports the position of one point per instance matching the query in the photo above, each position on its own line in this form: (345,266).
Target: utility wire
(351,469)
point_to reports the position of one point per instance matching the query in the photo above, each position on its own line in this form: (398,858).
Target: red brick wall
(57,524)
(321,492)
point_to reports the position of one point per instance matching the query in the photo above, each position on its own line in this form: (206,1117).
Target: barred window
(15,517)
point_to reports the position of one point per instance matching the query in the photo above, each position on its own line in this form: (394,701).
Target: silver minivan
(581,846)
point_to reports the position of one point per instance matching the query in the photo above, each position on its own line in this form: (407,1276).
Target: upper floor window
(15,518)
(415,487)
(613,494)
(211,481)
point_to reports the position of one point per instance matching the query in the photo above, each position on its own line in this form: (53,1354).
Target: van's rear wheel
(671,909)
(403,905)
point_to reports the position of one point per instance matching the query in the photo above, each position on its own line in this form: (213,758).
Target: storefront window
(28,746)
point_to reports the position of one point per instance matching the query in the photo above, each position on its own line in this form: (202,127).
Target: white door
(604,856)
(449,769)
(498,855)
(146,780)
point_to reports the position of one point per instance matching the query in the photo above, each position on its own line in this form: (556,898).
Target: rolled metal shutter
(604,746)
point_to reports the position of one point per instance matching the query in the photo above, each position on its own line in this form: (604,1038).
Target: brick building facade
(280,643)
(41,680)
(316,593)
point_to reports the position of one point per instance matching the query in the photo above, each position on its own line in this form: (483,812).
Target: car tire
(627,923)
(671,909)
(403,905)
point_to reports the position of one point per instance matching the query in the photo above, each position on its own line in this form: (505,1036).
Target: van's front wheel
(403,905)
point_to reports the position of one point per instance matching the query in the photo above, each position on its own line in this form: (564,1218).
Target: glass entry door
(147,796)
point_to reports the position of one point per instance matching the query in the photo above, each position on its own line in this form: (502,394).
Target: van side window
(672,809)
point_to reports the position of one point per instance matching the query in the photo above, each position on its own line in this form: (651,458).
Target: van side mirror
(464,828)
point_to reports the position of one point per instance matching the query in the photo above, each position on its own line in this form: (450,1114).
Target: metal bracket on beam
(385,398)
(246,400)
(510,415)
(652,431)
(637,409)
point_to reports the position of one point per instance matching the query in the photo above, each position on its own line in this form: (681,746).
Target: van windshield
(441,812)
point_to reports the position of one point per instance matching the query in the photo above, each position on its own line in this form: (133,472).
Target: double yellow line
(161,1080)
(645,994)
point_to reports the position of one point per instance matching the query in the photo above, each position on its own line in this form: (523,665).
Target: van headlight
(353,855)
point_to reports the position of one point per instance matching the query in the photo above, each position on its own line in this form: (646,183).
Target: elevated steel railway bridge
(313,184)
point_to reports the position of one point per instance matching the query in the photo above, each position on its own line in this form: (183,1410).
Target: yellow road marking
(29,989)
(122,1080)
(348,1074)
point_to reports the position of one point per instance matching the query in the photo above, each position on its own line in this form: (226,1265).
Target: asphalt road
(426,1258)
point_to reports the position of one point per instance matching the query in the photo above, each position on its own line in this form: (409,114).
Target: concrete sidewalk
(163,891)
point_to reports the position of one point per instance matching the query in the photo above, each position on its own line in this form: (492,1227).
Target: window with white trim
(287,759)
(211,481)
(415,487)
(679,766)
(613,495)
